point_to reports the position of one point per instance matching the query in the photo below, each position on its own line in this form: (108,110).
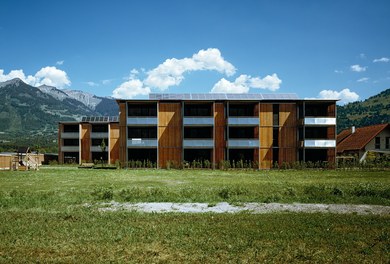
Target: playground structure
(22,160)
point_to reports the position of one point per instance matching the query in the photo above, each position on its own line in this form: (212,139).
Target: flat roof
(223,96)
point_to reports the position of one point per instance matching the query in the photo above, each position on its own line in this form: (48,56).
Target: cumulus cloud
(130,89)
(48,75)
(171,72)
(244,82)
(358,68)
(383,59)
(92,84)
(345,95)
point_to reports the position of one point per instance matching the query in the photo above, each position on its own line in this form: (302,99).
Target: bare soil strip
(255,208)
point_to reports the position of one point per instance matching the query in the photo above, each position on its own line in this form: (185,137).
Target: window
(198,110)
(241,132)
(198,132)
(275,137)
(71,142)
(142,109)
(387,142)
(98,141)
(242,110)
(142,132)
(377,143)
(71,128)
(100,128)
(276,114)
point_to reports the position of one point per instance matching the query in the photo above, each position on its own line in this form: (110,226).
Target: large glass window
(98,141)
(142,154)
(275,116)
(198,154)
(142,132)
(71,142)
(241,132)
(198,109)
(316,133)
(198,132)
(71,128)
(242,109)
(138,109)
(100,128)
(316,109)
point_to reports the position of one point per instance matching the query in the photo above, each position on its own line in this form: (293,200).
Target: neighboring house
(359,141)
(261,128)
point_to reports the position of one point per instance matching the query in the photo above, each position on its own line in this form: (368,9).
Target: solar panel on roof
(223,96)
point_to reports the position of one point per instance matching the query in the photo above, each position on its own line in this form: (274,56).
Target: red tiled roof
(359,139)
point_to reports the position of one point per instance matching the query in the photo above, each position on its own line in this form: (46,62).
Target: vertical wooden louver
(114,142)
(169,134)
(287,133)
(219,132)
(266,123)
(122,132)
(85,138)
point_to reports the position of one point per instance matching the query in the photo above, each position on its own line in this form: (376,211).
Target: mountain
(374,110)
(30,115)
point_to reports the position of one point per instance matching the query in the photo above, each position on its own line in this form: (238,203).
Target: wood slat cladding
(60,153)
(219,137)
(287,133)
(114,142)
(332,157)
(85,138)
(266,125)
(170,136)
(122,132)
(331,132)
(332,110)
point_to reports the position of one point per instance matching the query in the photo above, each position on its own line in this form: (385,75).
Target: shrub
(103,193)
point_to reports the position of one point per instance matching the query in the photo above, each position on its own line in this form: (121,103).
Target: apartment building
(83,141)
(262,128)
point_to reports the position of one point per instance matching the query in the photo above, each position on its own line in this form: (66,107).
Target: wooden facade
(60,153)
(219,133)
(169,134)
(122,132)
(113,142)
(287,133)
(85,142)
(266,129)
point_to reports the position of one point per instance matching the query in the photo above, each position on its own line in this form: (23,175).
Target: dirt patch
(255,208)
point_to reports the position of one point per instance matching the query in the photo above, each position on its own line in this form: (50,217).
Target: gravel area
(255,208)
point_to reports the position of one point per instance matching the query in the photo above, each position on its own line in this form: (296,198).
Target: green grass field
(42,217)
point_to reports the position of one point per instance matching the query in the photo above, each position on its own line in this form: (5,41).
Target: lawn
(42,217)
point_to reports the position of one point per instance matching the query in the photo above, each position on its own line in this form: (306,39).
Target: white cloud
(345,95)
(92,84)
(130,89)
(358,68)
(270,82)
(171,72)
(362,55)
(60,62)
(338,71)
(364,79)
(48,75)
(244,82)
(240,85)
(52,76)
(383,59)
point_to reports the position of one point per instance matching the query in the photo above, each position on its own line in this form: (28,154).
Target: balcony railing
(243,121)
(142,143)
(70,148)
(142,121)
(243,143)
(320,121)
(319,143)
(99,134)
(198,121)
(67,135)
(198,143)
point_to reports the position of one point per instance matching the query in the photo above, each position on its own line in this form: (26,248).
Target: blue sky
(129,48)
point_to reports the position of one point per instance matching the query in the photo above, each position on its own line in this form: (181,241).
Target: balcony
(243,121)
(198,121)
(243,143)
(142,143)
(69,148)
(70,135)
(142,121)
(319,143)
(99,134)
(198,143)
(320,121)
